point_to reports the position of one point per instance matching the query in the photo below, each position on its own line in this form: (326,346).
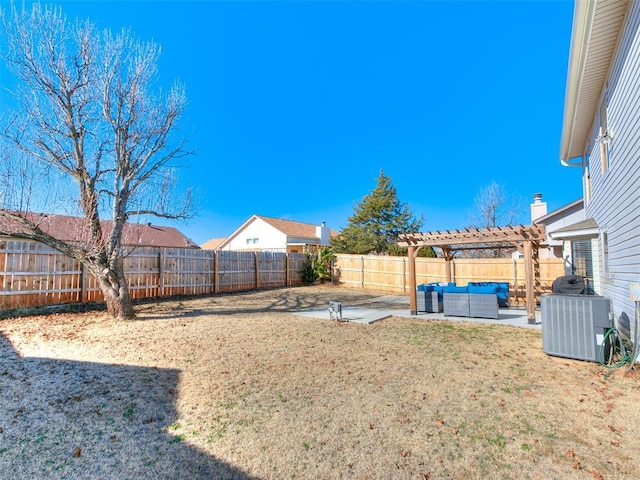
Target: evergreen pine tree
(377,221)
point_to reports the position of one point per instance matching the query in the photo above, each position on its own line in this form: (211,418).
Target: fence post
(515,281)
(255,256)
(332,266)
(84,281)
(287,279)
(214,271)
(361,271)
(160,276)
(404,274)
(453,270)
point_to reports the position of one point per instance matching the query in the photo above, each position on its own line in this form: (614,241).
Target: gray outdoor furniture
(456,304)
(476,305)
(483,305)
(429,302)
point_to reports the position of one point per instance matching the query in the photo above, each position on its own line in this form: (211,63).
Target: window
(255,240)
(582,260)
(248,241)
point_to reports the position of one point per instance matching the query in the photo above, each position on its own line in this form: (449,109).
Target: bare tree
(91,135)
(493,208)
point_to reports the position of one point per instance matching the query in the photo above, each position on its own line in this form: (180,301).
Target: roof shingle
(75,229)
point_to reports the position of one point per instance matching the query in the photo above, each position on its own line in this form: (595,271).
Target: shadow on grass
(283,300)
(280,299)
(69,419)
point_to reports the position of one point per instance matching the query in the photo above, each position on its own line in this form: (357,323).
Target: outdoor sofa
(477,299)
(471,301)
(502,290)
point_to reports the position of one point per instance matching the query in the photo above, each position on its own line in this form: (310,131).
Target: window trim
(606,271)
(604,139)
(587,179)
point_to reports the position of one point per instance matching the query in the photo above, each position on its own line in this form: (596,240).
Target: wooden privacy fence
(391,273)
(33,274)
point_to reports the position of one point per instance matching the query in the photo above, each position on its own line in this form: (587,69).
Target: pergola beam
(459,248)
(474,236)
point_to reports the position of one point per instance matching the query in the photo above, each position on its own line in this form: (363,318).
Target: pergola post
(529,282)
(447,258)
(412,253)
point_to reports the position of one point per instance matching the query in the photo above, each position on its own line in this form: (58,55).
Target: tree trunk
(119,303)
(116,293)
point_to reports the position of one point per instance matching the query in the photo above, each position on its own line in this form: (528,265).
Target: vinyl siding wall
(615,194)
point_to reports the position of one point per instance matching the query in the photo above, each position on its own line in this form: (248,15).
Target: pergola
(526,239)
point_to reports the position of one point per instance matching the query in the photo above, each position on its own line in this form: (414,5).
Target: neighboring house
(601,135)
(74,229)
(554,221)
(559,218)
(276,235)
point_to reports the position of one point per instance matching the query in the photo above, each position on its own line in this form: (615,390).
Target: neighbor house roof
(291,228)
(597,25)
(212,244)
(74,229)
(560,211)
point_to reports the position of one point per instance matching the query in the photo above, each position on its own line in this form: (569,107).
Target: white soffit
(597,25)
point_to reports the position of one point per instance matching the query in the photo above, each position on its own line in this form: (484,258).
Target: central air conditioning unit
(574,326)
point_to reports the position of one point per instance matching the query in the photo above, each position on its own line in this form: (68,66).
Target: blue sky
(296,106)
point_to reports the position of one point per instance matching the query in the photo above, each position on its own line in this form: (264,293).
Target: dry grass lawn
(238,386)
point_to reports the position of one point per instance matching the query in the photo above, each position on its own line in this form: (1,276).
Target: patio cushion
(454,289)
(485,289)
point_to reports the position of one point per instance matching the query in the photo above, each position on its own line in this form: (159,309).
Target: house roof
(559,211)
(212,244)
(584,229)
(74,229)
(291,228)
(597,25)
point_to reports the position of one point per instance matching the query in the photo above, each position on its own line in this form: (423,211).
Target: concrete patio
(385,307)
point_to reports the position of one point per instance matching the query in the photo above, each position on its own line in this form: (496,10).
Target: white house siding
(615,195)
(268,238)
